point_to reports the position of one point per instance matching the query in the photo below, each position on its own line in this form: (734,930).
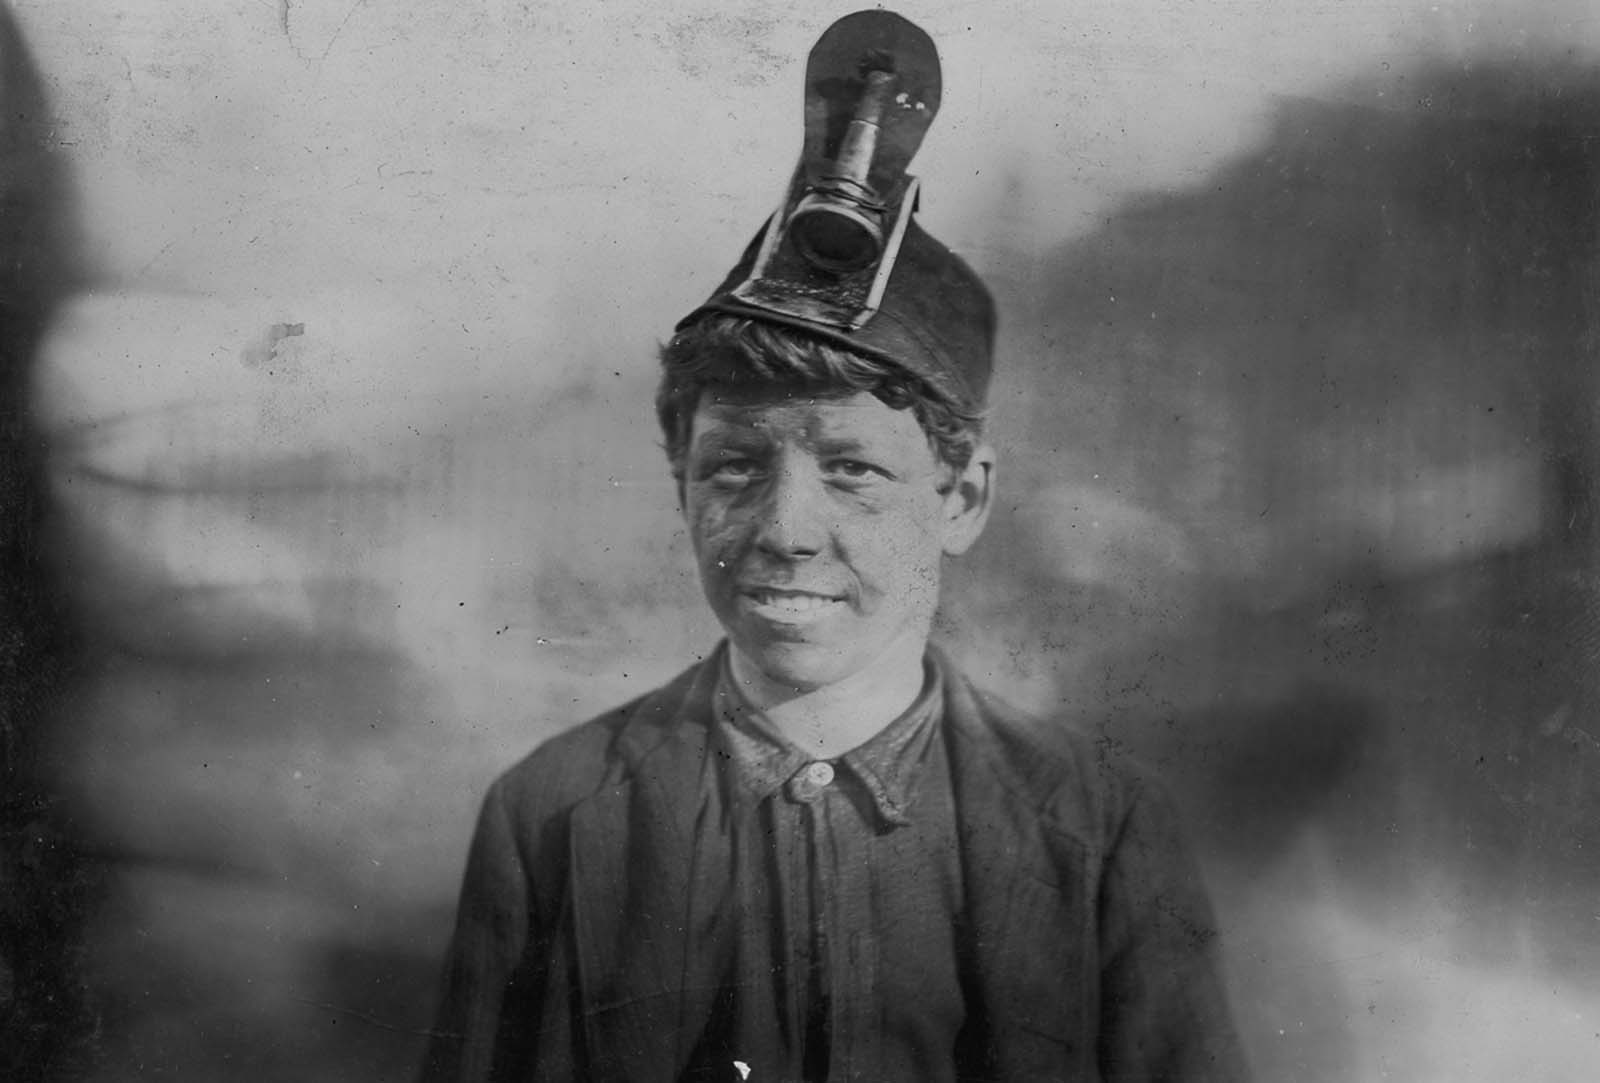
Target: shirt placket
(852,949)
(808,891)
(838,951)
(792,863)
(819,998)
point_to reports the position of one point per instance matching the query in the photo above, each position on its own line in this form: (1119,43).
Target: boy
(820,853)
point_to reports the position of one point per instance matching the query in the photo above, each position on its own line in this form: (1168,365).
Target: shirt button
(809,782)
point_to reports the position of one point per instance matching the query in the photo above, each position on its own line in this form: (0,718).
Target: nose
(791,519)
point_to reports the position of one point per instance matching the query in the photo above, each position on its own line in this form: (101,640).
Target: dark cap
(843,259)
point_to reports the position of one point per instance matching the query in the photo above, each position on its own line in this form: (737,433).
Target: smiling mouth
(791,602)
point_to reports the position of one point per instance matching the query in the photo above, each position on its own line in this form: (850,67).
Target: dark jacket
(1088,939)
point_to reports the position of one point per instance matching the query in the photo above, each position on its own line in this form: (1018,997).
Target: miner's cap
(842,258)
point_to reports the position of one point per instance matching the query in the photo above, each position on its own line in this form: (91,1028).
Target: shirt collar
(888,766)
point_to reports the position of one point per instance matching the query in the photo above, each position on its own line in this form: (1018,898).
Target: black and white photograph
(650,542)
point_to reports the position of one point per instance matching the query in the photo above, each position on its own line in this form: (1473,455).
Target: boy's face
(819,527)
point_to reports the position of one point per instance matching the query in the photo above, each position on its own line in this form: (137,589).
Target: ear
(967,504)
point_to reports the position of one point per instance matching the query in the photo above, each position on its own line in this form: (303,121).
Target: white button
(809,782)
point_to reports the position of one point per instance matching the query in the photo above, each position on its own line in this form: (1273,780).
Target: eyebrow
(845,445)
(724,438)
(739,433)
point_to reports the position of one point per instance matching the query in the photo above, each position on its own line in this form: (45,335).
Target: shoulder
(1078,779)
(575,764)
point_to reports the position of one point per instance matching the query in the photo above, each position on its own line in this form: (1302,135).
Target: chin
(800,666)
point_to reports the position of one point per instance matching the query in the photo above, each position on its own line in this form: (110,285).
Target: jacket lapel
(649,858)
(1030,893)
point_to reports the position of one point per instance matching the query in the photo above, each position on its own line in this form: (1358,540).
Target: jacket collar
(889,766)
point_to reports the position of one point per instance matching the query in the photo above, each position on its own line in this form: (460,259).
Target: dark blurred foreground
(1302,469)
(46,886)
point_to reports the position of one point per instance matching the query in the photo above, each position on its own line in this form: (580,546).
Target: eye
(733,470)
(855,469)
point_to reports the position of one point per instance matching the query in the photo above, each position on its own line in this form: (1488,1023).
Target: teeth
(793,603)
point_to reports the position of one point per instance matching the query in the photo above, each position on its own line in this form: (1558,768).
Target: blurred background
(330,487)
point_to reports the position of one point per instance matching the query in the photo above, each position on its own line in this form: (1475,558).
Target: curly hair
(733,353)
